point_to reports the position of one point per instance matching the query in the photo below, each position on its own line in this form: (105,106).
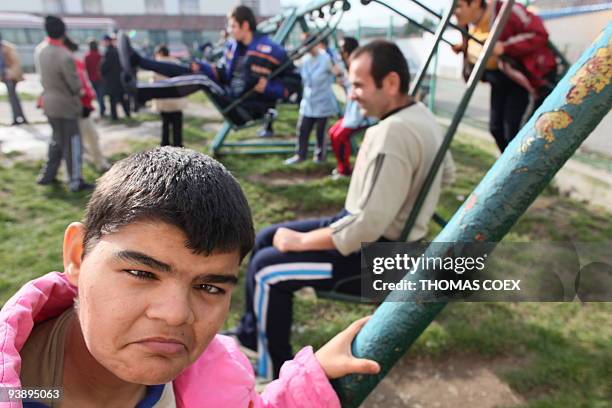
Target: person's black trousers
(304,128)
(172,120)
(508,104)
(114,100)
(182,82)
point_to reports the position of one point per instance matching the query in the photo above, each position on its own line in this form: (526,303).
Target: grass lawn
(564,349)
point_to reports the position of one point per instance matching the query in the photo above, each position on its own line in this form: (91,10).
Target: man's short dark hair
(55,27)
(162,49)
(242,14)
(178,186)
(386,58)
(93,45)
(349,44)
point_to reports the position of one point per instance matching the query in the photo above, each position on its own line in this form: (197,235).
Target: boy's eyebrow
(144,259)
(218,278)
(128,255)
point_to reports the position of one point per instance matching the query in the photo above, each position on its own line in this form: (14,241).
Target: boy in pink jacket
(148,276)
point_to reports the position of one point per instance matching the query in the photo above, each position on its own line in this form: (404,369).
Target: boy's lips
(162,345)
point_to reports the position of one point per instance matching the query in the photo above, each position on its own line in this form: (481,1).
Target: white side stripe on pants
(268,276)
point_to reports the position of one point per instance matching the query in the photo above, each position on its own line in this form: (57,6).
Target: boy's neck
(87,383)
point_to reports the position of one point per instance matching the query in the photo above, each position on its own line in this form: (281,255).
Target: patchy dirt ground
(456,381)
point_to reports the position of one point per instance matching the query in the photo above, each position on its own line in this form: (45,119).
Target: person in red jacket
(89,133)
(93,59)
(521,69)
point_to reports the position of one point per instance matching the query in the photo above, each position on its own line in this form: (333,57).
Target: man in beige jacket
(10,74)
(391,166)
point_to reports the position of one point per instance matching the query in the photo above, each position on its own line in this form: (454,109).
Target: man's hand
(261,85)
(498,49)
(336,358)
(286,240)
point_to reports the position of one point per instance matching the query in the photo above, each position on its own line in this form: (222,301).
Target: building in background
(573,24)
(182,24)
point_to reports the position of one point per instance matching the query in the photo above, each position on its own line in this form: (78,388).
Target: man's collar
(394,111)
(55,41)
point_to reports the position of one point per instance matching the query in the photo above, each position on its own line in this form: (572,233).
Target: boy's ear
(73,251)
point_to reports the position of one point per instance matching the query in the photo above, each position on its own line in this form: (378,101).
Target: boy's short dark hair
(178,186)
(349,44)
(242,14)
(386,58)
(483,3)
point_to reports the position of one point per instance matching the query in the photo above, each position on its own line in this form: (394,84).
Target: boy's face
(148,306)
(467,13)
(236,30)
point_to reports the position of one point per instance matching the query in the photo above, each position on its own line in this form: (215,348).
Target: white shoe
(336,175)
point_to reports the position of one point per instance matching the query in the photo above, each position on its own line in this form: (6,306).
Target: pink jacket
(221,377)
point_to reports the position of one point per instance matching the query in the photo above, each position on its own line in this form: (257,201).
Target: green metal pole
(433,79)
(567,117)
(416,84)
(358,34)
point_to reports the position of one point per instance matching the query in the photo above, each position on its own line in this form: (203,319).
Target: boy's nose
(173,307)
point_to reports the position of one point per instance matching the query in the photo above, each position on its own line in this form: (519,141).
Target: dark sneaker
(82,186)
(45,182)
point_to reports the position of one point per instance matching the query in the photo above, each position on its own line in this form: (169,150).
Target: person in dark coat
(111,73)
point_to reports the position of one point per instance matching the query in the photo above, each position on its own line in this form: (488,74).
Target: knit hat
(55,27)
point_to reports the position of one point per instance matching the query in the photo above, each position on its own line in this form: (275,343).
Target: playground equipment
(331,12)
(282,26)
(579,102)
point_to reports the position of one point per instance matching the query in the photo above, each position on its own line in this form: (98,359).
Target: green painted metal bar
(477,73)
(407,17)
(220,138)
(286,27)
(252,152)
(565,119)
(433,82)
(416,84)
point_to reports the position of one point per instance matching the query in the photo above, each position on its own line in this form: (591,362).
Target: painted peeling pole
(546,142)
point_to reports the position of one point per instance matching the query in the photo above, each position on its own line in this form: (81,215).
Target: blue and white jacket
(262,57)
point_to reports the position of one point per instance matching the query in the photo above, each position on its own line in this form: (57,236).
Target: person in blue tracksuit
(247,61)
